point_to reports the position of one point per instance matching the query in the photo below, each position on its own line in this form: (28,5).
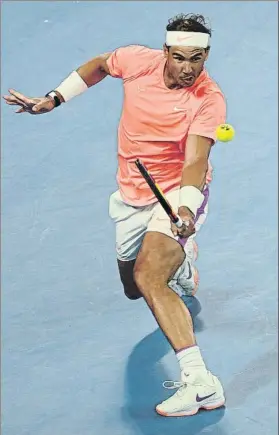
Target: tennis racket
(159,194)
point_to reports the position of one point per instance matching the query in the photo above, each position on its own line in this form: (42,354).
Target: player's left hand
(188,228)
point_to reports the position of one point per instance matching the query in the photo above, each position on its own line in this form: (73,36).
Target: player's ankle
(190,360)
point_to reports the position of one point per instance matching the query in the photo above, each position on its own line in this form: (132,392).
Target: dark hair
(189,23)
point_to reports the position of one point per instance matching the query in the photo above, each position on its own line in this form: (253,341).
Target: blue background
(79,358)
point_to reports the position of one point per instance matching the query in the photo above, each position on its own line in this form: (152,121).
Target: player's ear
(207,50)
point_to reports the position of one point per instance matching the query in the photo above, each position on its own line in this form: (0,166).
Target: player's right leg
(160,257)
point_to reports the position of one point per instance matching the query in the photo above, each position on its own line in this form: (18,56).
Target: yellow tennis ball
(225,132)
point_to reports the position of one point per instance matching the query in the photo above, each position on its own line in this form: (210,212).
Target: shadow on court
(143,388)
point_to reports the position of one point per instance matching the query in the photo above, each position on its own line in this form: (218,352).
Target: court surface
(79,358)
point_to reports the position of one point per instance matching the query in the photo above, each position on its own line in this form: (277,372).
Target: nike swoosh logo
(190,271)
(180,38)
(200,399)
(179,109)
(140,89)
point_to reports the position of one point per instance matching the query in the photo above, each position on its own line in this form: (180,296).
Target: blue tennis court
(78,357)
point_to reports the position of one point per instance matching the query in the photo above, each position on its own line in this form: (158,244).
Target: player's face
(184,65)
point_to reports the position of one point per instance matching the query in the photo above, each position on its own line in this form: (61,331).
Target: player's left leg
(126,272)
(158,259)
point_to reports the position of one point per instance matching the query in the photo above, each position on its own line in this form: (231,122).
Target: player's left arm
(201,138)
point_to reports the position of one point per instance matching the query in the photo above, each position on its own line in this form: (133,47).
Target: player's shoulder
(132,61)
(141,60)
(142,51)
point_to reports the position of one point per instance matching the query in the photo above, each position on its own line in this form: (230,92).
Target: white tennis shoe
(194,392)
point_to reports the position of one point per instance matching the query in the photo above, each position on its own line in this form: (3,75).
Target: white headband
(188,39)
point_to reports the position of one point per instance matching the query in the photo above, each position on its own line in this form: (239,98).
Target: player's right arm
(87,75)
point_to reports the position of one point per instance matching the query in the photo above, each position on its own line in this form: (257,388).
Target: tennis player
(170,113)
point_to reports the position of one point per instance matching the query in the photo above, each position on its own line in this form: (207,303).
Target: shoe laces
(173,385)
(176,385)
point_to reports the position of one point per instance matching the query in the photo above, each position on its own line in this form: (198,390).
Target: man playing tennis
(171,110)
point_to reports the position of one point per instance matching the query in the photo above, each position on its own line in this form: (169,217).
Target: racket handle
(179,223)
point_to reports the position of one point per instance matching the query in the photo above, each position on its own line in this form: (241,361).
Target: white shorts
(132,223)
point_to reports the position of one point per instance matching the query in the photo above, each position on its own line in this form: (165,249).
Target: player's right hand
(34,106)
(188,227)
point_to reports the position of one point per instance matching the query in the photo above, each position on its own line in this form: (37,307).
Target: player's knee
(147,280)
(126,275)
(156,263)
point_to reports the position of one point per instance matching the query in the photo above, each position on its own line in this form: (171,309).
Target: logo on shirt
(140,89)
(180,109)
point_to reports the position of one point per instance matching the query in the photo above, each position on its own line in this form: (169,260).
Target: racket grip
(179,223)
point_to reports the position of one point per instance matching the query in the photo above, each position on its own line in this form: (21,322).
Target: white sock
(190,360)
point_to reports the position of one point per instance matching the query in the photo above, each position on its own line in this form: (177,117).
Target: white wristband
(72,86)
(190,197)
